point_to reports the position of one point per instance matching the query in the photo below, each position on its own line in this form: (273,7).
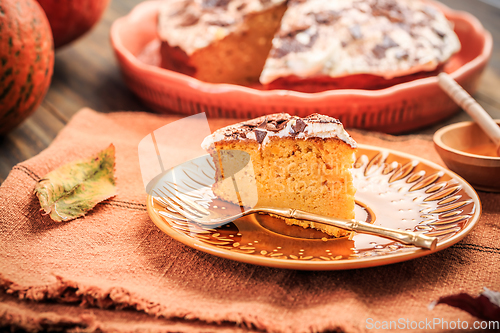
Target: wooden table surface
(86,74)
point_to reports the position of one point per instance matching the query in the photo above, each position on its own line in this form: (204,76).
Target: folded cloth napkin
(114,270)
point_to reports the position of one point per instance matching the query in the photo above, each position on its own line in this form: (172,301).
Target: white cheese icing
(281,125)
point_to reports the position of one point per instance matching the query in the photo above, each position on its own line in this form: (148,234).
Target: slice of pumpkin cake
(220,41)
(300,163)
(325,44)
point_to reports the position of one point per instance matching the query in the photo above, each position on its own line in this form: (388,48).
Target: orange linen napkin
(114,270)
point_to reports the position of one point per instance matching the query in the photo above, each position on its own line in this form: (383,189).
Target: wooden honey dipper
(480,116)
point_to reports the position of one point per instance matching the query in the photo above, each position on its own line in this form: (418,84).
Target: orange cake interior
(300,163)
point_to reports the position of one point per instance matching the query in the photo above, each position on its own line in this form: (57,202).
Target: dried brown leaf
(75,188)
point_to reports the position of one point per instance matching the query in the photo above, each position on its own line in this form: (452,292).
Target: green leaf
(75,188)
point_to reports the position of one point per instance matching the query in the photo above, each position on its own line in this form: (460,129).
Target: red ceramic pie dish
(399,108)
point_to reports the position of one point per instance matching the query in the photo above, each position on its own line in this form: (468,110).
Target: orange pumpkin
(69,19)
(26,60)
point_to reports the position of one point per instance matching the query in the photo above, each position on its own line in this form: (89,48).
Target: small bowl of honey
(469,152)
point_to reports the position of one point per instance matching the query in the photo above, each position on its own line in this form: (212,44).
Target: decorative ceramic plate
(398,108)
(394,190)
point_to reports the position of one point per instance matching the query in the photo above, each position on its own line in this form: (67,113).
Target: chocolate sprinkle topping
(263,124)
(299,126)
(295,2)
(260,135)
(388,42)
(189,20)
(274,126)
(355,31)
(379,49)
(327,17)
(279,124)
(219,23)
(389,9)
(291,44)
(317,118)
(402,54)
(215,3)
(275,123)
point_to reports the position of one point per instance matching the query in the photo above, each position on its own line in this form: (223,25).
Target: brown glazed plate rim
(362,262)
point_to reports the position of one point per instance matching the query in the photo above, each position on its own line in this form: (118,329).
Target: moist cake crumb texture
(301,163)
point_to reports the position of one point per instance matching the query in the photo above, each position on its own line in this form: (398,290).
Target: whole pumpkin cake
(305,45)
(301,163)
